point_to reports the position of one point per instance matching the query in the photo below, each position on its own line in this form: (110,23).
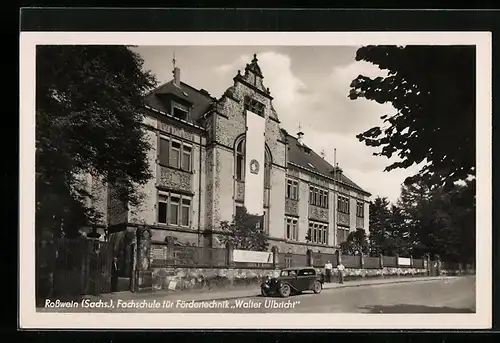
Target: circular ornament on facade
(254,166)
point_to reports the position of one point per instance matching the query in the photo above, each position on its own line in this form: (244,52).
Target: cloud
(328,117)
(286,88)
(234,66)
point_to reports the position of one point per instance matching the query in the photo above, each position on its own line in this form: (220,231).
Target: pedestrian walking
(114,275)
(340,270)
(328,271)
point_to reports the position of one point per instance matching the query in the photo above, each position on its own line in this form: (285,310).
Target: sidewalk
(248,292)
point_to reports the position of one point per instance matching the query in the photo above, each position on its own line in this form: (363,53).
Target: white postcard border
(30,319)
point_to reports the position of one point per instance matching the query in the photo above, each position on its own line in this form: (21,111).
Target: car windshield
(288,273)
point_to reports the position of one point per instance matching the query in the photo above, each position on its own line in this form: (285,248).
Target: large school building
(212,156)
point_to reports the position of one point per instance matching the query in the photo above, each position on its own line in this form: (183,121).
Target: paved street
(437,295)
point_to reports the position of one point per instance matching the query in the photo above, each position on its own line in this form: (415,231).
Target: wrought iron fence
(72,267)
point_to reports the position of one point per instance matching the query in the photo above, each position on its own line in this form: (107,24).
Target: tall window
(342,234)
(318,232)
(265,222)
(185,211)
(292,189)
(291,228)
(163,208)
(318,196)
(174,153)
(360,209)
(240,163)
(240,160)
(343,204)
(186,157)
(164,151)
(267,169)
(174,209)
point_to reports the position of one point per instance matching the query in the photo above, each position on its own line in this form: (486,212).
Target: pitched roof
(200,100)
(311,160)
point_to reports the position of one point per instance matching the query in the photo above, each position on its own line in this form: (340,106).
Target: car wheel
(285,290)
(317,287)
(263,292)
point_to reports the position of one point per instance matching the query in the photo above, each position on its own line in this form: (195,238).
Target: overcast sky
(310,86)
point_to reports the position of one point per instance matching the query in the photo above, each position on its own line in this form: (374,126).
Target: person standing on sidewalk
(328,271)
(340,270)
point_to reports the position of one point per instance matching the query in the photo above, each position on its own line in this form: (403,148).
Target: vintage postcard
(333,180)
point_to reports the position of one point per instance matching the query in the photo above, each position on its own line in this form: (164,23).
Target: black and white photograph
(227,177)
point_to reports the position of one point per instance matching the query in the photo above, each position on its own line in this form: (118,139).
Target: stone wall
(203,278)
(145,212)
(355,273)
(117,211)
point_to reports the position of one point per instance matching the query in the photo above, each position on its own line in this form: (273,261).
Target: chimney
(177,76)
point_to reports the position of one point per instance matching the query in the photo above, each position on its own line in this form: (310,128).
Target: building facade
(211,156)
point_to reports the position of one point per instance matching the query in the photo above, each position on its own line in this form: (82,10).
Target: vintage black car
(293,281)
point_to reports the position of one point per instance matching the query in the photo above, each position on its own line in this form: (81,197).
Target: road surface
(447,295)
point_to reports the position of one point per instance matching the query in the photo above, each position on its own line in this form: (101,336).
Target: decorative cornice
(275,120)
(329,178)
(221,114)
(320,221)
(216,144)
(241,79)
(175,190)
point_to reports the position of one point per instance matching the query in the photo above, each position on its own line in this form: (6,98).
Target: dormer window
(179,111)
(254,106)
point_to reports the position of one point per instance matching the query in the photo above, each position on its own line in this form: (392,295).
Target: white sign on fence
(404,261)
(172,285)
(252,256)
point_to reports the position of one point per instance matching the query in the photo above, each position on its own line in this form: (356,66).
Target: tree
(389,230)
(356,243)
(399,241)
(380,221)
(433,90)
(417,207)
(244,232)
(88,120)
(441,220)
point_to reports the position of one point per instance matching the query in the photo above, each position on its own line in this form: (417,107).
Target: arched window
(240,162)
(240,159)
(267,168)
